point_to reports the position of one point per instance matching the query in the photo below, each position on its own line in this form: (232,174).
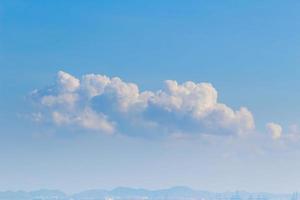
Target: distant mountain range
(124,193)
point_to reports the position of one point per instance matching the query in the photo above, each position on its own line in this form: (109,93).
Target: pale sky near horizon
(84,100)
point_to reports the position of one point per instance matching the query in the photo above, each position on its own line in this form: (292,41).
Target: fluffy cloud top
(66,82)
(111,105)
(275,130)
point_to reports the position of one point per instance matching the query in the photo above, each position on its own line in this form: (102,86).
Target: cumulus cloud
(87,119)
(111,105)
(275,130)
(196,105)
(67,82)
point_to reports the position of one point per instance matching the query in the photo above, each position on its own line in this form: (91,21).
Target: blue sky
(248,51)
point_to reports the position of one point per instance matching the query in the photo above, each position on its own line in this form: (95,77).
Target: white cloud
(95,121)
(67,99)
(100,103)
(86,119)
(67,82)
(198,103)
(275,130)
(126,95)
(189,97)
(94,84)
